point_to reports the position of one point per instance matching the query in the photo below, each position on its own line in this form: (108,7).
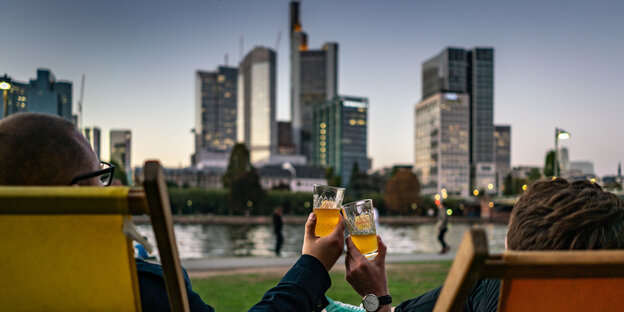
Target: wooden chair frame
(473,262)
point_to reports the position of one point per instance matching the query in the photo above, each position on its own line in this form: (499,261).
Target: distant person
(441,228)
(277,229)
(39,149)
(550,215)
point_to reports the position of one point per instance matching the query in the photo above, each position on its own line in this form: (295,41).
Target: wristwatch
(371,302)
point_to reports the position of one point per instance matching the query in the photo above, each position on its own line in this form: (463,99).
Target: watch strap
(387,299)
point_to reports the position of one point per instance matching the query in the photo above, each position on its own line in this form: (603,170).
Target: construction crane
(277,41)
(80,103)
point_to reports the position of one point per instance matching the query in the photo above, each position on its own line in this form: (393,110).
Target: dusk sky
(556,64)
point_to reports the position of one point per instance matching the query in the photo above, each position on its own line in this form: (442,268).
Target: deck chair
(64,248)
(591,280)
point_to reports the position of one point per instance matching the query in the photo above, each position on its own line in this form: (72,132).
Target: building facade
(458,70)
(502,138)
(120,150)
(93,136)
(41,95)
(256,97)
(340,135)
(215,110)
(441,147)
(313,78)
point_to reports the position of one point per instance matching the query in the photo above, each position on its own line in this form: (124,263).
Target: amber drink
(327,200)
(360,220)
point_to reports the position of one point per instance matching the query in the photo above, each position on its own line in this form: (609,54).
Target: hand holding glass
(360,220)
(326,206)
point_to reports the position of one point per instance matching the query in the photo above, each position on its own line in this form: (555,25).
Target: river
(219,241)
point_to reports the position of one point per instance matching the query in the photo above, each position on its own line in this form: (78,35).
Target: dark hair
(558,215)
(40,149)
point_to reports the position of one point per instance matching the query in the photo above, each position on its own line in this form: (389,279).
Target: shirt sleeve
(301,289)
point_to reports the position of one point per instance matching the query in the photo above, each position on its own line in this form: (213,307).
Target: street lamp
(5,87)
(563,135)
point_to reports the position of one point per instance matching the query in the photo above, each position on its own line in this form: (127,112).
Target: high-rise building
(215,109)
(441,144)
(120,150)
(256,124)
(502,139)
(472,72)
(41,95)
(313,78)
(93,136)
(285,144)
(339,135)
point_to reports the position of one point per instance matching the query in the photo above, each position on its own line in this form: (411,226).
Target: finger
(339,228)
(310,225)
(353,252)
(381,250)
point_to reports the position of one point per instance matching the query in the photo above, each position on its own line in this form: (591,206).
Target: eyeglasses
(105,174)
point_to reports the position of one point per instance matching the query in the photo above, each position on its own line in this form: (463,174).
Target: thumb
(310,225)
(340,226)
(381,250)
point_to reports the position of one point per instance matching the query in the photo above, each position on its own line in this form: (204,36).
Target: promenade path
(220,266)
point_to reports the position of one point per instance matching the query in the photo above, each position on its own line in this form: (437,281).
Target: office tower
(14,96)
(441,147)
(47,96)
(257,128)
(93,136)
(502,139)
(120,150)
(339,135)
(285,144)
(215,110)
(313,78)
(41,95)
(472,72)
(563,162)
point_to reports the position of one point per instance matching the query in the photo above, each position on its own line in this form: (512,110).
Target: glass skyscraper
(120,150)
(339,135)
(472,72)
(441,144)
(256,98)
(314,79)
(215,110)
(41,95)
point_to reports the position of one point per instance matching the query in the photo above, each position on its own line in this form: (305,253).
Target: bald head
(39,149)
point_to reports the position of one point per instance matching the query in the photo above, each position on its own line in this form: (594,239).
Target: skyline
(551,60)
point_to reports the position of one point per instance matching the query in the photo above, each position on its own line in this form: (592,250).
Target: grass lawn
(238,292)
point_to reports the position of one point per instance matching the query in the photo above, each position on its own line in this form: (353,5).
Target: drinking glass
(326,206)
(360,221)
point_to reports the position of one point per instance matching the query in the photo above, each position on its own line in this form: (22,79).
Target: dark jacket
(483,297)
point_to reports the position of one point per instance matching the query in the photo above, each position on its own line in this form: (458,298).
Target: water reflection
(217,241)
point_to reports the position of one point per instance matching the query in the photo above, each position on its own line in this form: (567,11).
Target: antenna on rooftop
(226,59)
(80,103)
(240,48)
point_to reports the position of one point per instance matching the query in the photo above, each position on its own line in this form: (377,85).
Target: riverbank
(264,220)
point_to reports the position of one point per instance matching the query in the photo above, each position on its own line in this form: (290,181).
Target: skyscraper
(41,95)
(441,144)
(313,78)
(340,136)
(93,136)
(120,150)
(215,109)
(502,139)
(256,124)
(472,72)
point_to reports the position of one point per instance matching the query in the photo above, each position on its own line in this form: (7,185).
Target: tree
(549,164)
(242,182)
(120,173)
(332,179)
(403,192)
(508,188)
(534,174)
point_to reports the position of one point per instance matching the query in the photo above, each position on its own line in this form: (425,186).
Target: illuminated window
(322,131)
(323,125)
(221,78)
(227,95)
(323,150)
(361,122)
(322,137)
(323,143)
(352,122)
(322,155)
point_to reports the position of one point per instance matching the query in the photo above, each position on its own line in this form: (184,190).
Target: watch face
(370,302)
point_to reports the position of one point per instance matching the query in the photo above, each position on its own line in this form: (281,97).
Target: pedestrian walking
(277,228)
